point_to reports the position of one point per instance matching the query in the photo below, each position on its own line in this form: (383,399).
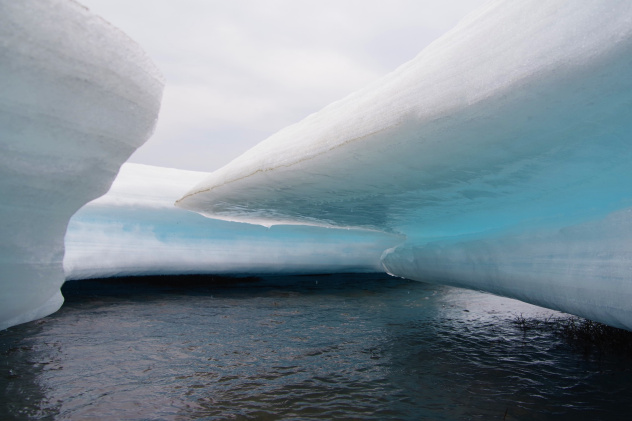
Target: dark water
(330,347)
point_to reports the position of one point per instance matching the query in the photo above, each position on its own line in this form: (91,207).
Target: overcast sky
(237,71)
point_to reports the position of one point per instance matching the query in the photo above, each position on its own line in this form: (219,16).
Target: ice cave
(498,159)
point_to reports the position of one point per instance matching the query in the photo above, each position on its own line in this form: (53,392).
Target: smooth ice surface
(501,151)
(136,230)
(77,97)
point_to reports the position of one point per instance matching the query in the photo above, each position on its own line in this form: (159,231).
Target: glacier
(135,230)
(77,97)
(501,152)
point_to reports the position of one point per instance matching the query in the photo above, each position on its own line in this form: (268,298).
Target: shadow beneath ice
(133,285)
(146,287)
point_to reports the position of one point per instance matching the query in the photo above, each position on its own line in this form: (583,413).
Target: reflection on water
(329,347)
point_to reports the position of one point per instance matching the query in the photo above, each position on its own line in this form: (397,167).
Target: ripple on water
(344,347)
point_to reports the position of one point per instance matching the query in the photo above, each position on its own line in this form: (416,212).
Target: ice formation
(502,152)
(135,230)
(77,97)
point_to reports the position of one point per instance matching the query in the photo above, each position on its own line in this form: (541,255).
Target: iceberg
(501,152)
(135,230)
(77,97)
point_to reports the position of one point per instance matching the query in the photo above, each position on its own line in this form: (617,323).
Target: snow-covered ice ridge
(502,151)
(135,230)
(77,97)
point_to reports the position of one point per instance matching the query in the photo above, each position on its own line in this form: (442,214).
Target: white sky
(237,71)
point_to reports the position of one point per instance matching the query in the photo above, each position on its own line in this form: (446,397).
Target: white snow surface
(77,97)
(502,152)
(135,230)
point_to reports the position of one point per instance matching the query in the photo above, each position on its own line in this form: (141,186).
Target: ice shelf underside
(135,230)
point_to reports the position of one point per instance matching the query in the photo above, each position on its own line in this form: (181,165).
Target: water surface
(307,347)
